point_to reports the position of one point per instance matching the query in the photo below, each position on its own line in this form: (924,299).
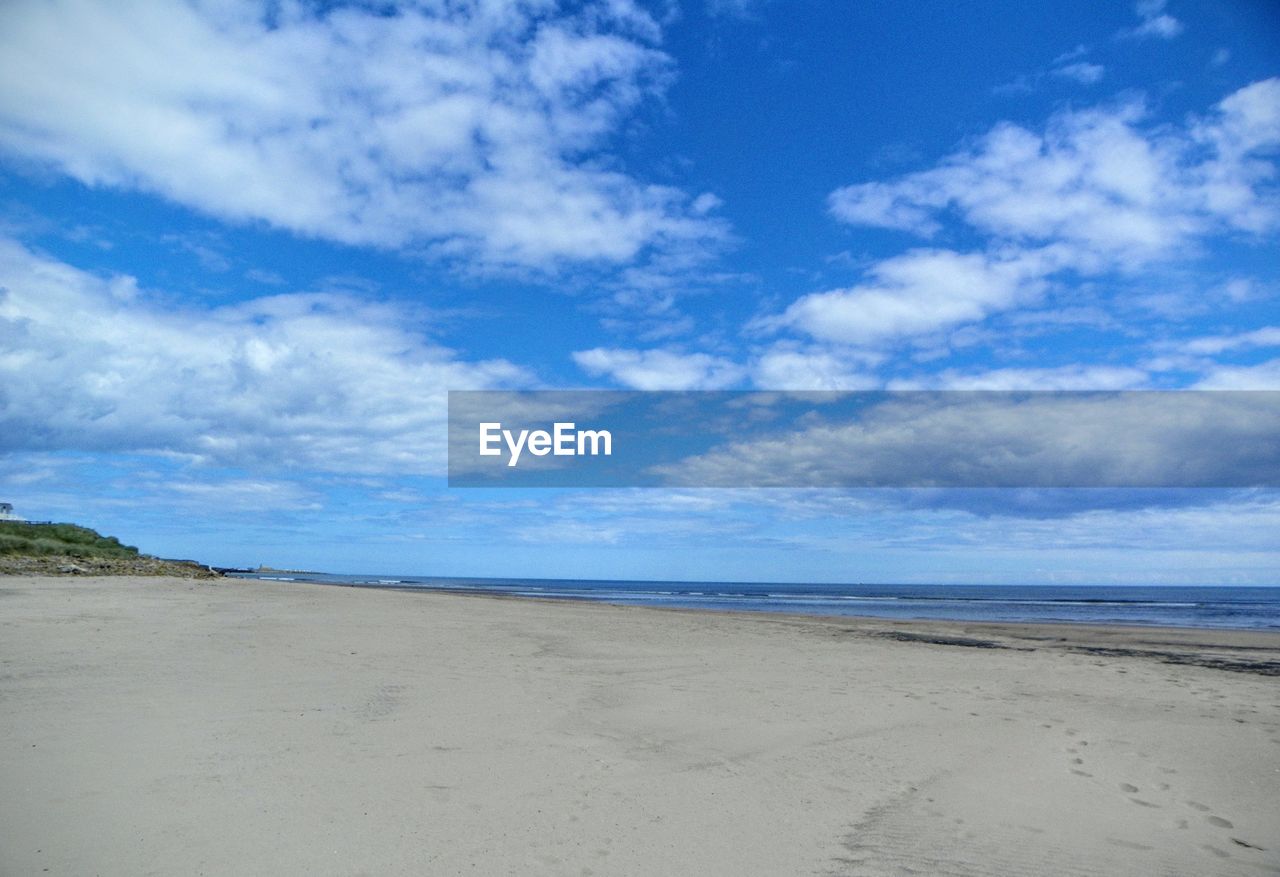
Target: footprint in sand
(1196,805)
(1127,787)
(1247,845)
(1219,821)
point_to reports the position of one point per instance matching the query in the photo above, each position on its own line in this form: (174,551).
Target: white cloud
(1238,183)
(1069,66)
(918,292)
(318,381)
(1263,376)
(1241,289)
(240,494)
(659,369)
(267,278)
(1097,181)
(472,128)
(1164,27)
(1082,71)
(782,366)
(1155,23)
(1096,192)
(786,367)
(1267,336)
(1197,357)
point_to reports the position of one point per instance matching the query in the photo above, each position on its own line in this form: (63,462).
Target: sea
(1212,606)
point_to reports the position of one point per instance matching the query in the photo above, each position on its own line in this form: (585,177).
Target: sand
(170,726)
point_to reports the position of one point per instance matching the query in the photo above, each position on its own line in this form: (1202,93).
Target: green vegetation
(64,540)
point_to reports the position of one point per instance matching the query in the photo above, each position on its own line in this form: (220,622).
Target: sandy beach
(173,726)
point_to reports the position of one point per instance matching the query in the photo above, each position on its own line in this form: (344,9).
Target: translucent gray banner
(603,438)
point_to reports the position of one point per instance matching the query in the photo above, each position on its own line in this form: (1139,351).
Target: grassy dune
(63,540)
(68,549)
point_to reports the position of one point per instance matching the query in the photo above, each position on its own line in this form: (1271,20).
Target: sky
(246,249)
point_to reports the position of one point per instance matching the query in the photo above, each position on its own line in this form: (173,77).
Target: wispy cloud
(1083,72)
(1070,66)
(1267,336)
(743,9)
(240,494)
(1263,376)
(781,365)
(918,292)
(659,369)
(1155,23)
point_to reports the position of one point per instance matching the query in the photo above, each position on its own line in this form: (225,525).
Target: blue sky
(246,249)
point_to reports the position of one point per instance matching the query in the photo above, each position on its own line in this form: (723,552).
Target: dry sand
(169,726)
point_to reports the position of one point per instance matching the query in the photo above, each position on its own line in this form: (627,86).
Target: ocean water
(1218,606)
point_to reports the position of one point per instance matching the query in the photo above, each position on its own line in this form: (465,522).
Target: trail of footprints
(1079,745)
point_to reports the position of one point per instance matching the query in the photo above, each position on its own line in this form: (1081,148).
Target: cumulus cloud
(474,128)
(1237,184)
(1097,191)
(1097,180)
(659,369)
(315,381)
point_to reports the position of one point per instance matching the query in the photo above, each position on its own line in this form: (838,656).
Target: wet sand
(174,726)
